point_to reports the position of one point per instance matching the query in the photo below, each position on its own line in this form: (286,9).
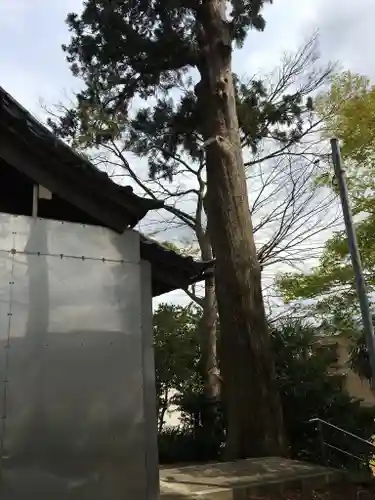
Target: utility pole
(355,256)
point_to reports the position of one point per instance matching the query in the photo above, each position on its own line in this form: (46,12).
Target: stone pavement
(243,479)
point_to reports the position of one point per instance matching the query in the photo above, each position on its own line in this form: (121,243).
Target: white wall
(72,384)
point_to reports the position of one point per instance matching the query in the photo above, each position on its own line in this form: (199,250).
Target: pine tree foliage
(129,50)
(169,128)
(158,40)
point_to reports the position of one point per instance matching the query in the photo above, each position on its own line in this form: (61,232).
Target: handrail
(320,420)
(324,444)
(345,452)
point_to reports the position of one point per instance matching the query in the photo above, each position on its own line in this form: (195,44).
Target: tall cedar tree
(124,49)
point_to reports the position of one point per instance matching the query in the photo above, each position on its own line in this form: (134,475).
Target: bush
(184,445)
(308,390)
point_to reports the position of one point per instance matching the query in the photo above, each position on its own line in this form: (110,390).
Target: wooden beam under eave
(25,163)
(168,278)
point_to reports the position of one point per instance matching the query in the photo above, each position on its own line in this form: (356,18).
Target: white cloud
(32,64)
(283,33)
(345,27)
(347,32)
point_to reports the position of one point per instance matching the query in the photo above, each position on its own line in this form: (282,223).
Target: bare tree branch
(288,210)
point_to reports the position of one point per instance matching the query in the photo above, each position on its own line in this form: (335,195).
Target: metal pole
(355,256)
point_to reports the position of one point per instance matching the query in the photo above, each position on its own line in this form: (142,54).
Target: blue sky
(32,65)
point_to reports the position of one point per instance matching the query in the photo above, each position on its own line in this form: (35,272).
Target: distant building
(357,387)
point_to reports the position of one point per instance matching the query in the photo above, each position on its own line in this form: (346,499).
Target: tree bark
(209,340)
(208,329)
(253,407)
(162,409)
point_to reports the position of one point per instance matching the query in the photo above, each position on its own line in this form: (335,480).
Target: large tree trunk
(254,416)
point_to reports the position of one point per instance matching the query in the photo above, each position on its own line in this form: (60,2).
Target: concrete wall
(76,365)
(356,387)
(149,387)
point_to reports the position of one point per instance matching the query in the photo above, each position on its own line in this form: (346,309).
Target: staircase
(274,478)
(253,478)
(359,451)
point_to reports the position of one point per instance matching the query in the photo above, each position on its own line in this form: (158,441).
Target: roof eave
(19,125)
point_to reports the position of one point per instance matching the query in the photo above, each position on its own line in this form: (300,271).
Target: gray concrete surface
(241,480)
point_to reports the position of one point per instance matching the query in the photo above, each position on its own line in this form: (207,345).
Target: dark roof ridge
(16,115)
(46,159)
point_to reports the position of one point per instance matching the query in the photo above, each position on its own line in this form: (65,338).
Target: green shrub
(308,390)
(184,445)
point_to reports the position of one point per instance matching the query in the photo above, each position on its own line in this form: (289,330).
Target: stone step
(242,480)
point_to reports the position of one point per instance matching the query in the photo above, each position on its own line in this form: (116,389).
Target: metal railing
(326,446)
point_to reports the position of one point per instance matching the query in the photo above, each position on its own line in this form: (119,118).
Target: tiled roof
(171,267)
(73,177)
(51,152)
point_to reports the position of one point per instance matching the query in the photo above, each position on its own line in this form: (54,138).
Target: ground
(335,492)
